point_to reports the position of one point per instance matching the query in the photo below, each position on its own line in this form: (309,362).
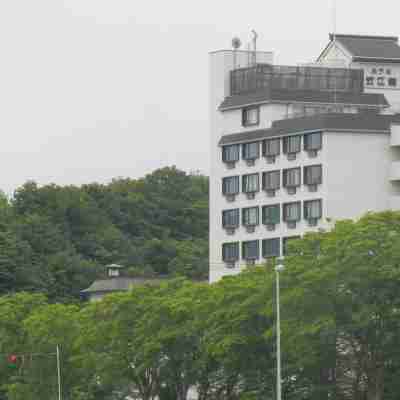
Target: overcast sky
(96,89)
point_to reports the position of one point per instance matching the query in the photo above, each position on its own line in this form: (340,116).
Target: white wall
(357,172)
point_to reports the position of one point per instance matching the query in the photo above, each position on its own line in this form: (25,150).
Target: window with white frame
(250,183)
(230,154)
(250,116)
(230,252)
(271,147)
(230,185)
(271,214)
(271,180)
(251,151)
(250,250)
(313,141)
(292,211)
(230,218)
(313,175)
(292,144)
(271,248)
(292,177)
(313,209)
(250,216)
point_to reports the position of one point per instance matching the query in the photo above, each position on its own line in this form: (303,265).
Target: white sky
(96,89)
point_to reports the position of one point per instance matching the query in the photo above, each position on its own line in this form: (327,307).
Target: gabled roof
(303,96)
(370,48)
(119,284)
(335,122)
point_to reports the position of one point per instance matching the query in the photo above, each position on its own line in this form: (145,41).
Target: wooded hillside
(56,239)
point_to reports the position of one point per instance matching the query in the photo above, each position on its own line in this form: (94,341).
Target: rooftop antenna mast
(236,43)
(255,36)
(334,22)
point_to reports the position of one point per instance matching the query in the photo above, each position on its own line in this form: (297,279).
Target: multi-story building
(294,148)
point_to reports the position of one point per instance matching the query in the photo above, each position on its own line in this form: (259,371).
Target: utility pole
(279,267)
(58,373)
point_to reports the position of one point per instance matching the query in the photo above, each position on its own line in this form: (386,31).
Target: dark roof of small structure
(303,96)
(119,284)
(337,122)
(366,48)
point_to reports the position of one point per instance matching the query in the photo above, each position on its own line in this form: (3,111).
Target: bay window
(291,146)
(230,252)
(271,149)
(230,154)
(313,177)
(313,143)
(250,183)
(250,216)
(230,185)
(250,250)
(292,213)
(271,215)
(230,218)
(250,116)
(271,181)
(313,211)
(271,248)
(251,151)
(291,179)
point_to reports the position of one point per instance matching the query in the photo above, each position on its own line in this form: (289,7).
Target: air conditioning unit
(250,229)
(251,196)
(250,163)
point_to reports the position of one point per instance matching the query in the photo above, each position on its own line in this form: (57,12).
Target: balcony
(395,135)
(394,174)
(266,76)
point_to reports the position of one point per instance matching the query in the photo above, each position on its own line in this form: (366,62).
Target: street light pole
(279,267)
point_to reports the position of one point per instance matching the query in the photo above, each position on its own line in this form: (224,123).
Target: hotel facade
(294,148)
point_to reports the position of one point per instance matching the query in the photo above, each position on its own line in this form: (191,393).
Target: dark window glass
(272,180)
(291,144)
(271,214)
(271,247)
(286,244)
(250,116)
(250,216)
(292,212)
(313,209)
(370,80)
(381,81)
(251,151)
(230,218)
(250,250)
(230,153)
(392,82)
(292,177)
(230,251)
(313,141)
(230,185)
(313,175)
(251,183)
(271,147)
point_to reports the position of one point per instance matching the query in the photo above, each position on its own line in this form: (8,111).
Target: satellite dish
(236,43)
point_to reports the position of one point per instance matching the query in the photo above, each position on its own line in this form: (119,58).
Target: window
(392,82)
(291,177)
(251,183)
(287,244)
(230,218)
(271,215)
(250,250)
(381,81)
(250,216)
(230,154)
(230,252)
(271,180)
(313,175)
(370,80)
(230,185)
(388,71)
(292,212)
(313,141)
(271,248)
(291,144)
(251,151)
(373,71)
(312,209)
(271,147)
(250,116)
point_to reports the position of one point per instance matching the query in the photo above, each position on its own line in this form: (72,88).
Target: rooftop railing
(266,76)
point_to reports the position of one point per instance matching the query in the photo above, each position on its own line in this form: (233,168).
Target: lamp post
(278,268)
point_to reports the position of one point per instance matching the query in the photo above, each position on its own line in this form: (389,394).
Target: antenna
(334,22)
(236,43)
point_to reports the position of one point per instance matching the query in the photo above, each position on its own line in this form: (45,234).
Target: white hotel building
(293,148)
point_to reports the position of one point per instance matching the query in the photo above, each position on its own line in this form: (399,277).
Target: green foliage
(56,240)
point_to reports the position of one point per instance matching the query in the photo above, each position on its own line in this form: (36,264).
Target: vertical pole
(58,373)
(278,342)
